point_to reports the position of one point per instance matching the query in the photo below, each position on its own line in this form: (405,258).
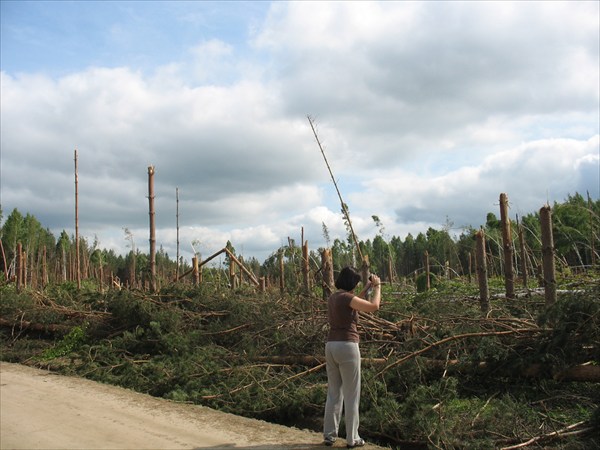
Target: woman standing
(343,356)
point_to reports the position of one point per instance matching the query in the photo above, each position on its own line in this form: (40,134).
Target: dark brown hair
(348,278)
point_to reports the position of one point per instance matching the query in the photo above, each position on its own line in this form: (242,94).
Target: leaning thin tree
(364,261)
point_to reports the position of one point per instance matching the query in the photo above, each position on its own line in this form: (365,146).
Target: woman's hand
(361,303)
(374,281)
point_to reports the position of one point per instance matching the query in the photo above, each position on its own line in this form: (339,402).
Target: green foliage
(70,343)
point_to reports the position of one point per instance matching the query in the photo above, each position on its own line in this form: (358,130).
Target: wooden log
(26,325)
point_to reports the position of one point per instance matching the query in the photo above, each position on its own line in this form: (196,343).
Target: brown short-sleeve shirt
(343,319)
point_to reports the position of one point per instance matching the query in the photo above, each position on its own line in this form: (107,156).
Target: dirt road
(42,410)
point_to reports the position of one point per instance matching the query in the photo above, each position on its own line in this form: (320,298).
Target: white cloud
(427,110)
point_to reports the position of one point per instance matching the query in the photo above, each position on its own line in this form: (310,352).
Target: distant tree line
(44,258)
(576,229)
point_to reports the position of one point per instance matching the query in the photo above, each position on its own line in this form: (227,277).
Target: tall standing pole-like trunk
(177,223)
(548,255)
(77,262)
(44,268)
(509,274)
(19,266)
(64,263)
(482,272)
(152,229)
(592,228)
(4,260)
(427,271)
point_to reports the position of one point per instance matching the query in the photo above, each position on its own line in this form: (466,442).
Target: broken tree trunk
(509,276)
(281,272)
(242,267)
(305,266)
(523,254)
(19,267)
(548,255)
(327,273)
(196,271)
(427,272)
(482,277)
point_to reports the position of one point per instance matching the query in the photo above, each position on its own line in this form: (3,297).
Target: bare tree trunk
(77,263)
(281,272)
(305,267)
(44,268)
(470,268)
(101,277)
(195,271)
(427,270)
(592,234)
(262,284)
(482,275)
(177,222)
(548,255)
(33,269)
(327,273)
(242,267)
(365,267)
(24,268)
(152,229)
(509,275)
(523,254)
(64,264)
(19,267)
(232,276)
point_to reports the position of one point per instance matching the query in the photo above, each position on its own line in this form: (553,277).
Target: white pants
(343,387)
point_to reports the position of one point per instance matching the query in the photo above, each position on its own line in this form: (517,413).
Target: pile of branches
(435,372)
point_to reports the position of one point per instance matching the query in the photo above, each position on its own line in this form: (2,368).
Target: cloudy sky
(427,112)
